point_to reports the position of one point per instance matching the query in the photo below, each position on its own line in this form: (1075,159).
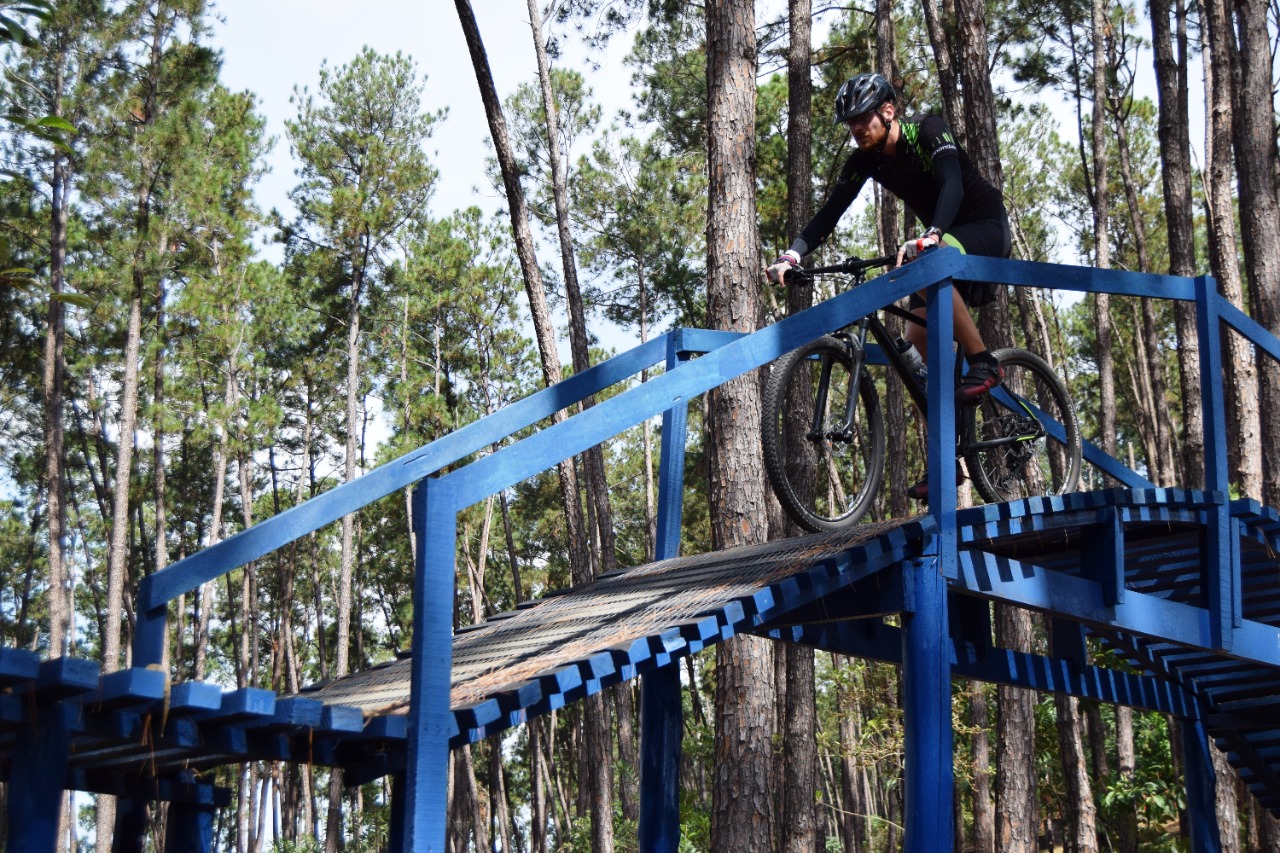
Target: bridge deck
(132,728)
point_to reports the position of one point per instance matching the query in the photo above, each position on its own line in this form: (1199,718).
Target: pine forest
(181,361)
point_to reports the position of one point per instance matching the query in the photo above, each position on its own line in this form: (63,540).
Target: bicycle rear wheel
(1026,439)
(825,471)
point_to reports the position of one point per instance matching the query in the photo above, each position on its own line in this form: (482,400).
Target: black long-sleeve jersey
(931,173)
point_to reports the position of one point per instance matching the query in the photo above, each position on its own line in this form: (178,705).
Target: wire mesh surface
(570,626)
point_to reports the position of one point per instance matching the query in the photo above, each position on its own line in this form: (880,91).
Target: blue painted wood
(1201,784)
(1221,576)
(158,589)
(1102,556)
(942,425)
(65,677)
(550,446)
(1248,327)
(128,687)
(430,722)
(17,666)
(928,777)
(661,731)
(189,828)
(37,780)
(876,641)
(1081,279)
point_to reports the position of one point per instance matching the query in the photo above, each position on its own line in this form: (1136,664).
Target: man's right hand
(783,265)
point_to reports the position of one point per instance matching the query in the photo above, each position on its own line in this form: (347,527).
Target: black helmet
(862,94)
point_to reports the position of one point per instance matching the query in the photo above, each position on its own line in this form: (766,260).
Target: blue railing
(724,356)
(728,355)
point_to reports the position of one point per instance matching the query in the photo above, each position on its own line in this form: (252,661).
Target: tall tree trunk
(982,139)
(1226,804)
(984,820)
(1101,231)
(1175,172)
(346,563)
(1081,814)
(742,816)
(1015,775)
(799,815)
(61,604)
(1126,759)
(596,761)
(1147,346)
(948,78)
(1257,166)
(1242,375)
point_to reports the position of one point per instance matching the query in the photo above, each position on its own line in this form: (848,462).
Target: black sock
(984,356)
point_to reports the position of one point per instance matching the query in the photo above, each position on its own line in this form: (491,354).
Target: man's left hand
(925,241)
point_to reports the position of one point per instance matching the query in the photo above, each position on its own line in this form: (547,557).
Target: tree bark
(982,140)
(799,814)
(596,761)
(1015,775)
(1175,172)
(1080,812)
(742,816)
(944,62)
(1242,390)
(1126,759)
(1101,232)
(1257,165)
(984,820)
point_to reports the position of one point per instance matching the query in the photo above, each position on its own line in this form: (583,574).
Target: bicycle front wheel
(1025,436)
(823,439)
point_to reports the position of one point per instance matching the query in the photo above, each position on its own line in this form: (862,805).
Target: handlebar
(849,266)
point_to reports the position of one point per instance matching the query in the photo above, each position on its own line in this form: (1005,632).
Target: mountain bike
(824,432)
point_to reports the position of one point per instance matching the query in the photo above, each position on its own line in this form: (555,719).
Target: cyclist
(918,161)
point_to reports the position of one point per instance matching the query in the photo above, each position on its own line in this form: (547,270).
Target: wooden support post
(189,826)
(38,778)
(928,777)
(942,424)
(1221,574)
(1201,788)
(661,731)
(430,714)
(661,712)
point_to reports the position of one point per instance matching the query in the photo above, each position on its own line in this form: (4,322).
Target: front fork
(854,343)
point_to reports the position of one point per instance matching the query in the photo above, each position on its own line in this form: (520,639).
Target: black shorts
(986,237)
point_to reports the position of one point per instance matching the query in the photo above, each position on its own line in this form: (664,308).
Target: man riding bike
(918,161)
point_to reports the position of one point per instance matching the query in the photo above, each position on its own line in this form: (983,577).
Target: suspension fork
(854,342)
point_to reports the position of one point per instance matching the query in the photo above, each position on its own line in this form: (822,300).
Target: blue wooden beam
(876,641)
(1221,576)
(546,448)
(928,775)
(1201,783)
(38,778)
(430,722)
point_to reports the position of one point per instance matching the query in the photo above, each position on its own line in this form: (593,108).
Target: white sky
(271,46)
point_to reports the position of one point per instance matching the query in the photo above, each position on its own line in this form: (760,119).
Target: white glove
(788,261)
(911,248)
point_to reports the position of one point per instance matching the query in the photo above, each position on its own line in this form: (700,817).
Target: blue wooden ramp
(1182,587)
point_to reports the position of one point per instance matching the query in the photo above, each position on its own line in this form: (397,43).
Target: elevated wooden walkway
(1183,587)
(132,731)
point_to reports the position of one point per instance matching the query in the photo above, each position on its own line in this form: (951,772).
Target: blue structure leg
(190,828)
(36,797)
(928,777)
(661,730)
(131,825)
(661,713)
(430,716)
(1201,788)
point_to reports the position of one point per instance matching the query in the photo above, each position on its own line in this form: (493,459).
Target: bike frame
(966,426)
